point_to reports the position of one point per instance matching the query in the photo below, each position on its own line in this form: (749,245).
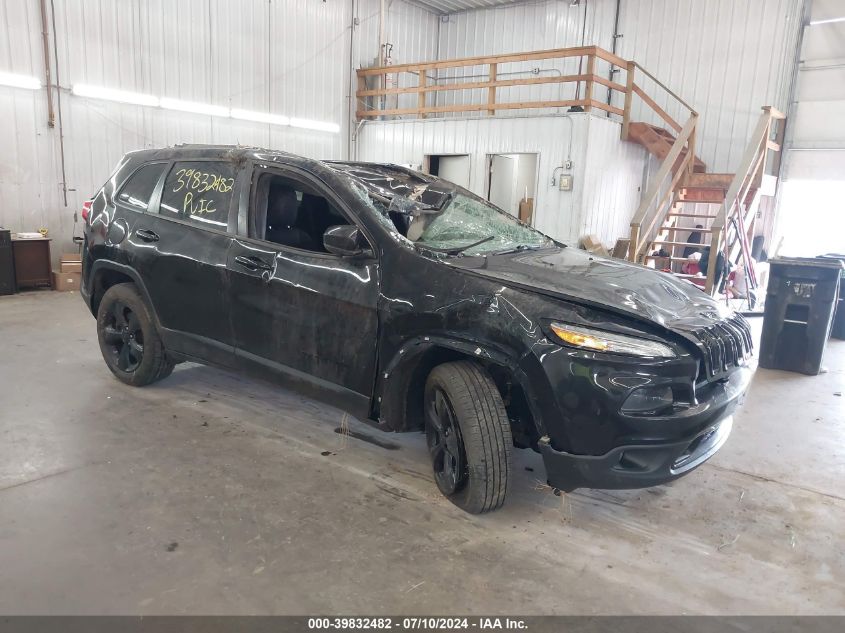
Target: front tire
(128,338)
(468,436)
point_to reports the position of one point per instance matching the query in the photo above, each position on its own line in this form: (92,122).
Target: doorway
(451,167)
(512,183)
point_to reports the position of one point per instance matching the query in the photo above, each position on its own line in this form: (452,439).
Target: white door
(454,169)
(503,176)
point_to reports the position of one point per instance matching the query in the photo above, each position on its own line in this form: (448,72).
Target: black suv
(414,305)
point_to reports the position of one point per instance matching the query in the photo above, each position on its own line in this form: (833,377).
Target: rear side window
(135,194)
(199,192)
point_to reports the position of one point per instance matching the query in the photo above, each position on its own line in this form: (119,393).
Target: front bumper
(650,463)
(634,466)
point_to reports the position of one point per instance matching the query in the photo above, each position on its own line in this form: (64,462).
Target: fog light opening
(649,401)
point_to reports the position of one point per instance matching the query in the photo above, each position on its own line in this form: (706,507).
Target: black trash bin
(800,302)
(838,328)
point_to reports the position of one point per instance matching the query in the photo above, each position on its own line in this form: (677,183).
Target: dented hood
(609,284)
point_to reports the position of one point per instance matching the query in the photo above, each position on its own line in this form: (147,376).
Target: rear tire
(128,338)
(468,436)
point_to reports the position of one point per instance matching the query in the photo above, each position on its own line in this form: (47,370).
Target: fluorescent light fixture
(828,21)
(193,106)
(321,126)
(121,96)
(260,117)
(19,81)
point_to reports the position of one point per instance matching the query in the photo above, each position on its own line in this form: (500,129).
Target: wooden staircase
(683,195)
(658,141)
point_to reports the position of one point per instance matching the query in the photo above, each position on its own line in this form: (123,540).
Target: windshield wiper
(456,250)
(518,248)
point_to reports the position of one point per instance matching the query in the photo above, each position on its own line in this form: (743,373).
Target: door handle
(252,263)
(147,235)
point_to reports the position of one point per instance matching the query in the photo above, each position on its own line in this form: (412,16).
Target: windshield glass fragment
(466,220)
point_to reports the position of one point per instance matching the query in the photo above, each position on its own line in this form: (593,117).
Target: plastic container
(800,303)
(838,328)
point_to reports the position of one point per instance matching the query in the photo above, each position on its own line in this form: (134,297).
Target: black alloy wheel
(445,443)
(124,336)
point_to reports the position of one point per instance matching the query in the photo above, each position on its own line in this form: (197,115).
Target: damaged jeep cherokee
(415,305)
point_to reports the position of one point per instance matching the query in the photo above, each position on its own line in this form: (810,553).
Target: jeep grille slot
(725,345)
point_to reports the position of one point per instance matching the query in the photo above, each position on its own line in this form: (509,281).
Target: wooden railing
(656,203)
(739,208)
(369,105)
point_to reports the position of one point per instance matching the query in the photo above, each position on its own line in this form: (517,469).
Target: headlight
(599,341)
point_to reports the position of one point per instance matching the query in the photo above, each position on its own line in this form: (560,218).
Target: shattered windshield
(473,226)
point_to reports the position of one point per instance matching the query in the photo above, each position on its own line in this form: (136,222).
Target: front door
(304,315)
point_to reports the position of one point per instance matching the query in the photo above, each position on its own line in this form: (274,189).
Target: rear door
(299,313)
(181,245)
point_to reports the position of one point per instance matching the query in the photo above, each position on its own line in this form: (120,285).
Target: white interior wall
(516,28)
(289,57)
(606,172)
(725,58)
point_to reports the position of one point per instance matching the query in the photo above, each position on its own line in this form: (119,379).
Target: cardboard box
(70,263)
(620,251)
(591,244)
(526,210)
(64,282)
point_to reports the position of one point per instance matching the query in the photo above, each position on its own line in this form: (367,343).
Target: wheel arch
(105,274)
(401,384)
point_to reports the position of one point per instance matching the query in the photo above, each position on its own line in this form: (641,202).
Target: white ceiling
(445,7)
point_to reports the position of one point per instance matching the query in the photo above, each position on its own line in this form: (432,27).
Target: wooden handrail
(645,219)
(666,88)
(750,168)
(491,105)
(554,53)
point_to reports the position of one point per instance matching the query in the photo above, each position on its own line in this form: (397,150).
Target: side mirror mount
(346,240)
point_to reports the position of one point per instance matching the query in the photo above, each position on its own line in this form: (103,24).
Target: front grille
(726,344)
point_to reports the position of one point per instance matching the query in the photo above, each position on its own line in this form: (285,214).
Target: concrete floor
(209,493)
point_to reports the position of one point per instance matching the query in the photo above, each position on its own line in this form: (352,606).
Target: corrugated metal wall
(725,58)
(517,28)
(290,57)
(606,172)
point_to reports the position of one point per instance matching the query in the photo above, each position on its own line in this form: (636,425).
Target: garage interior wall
(250,55)
(725,58)
(606,172)
(288,57)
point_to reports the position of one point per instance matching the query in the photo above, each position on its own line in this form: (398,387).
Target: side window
(199,192)
(135,194)
(291,213)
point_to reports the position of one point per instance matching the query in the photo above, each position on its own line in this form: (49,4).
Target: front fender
(398,402)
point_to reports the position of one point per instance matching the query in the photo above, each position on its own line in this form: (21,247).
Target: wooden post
(361,101)
(715,238)
(629,94)
(491,91)
(691,147)
(588,87)
(633,247)
(422,80)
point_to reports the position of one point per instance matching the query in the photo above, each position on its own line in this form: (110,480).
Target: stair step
(701,194)
(691,229)
(658,141)
(664,242)
(674,259)
(690,215)
(709,181)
